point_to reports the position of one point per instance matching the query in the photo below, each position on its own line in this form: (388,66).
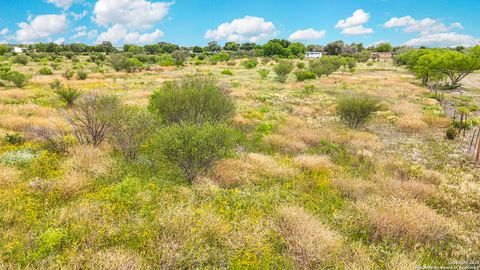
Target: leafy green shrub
(17,78)
(325,65)
(308,89)
(82,75)
(21,59)
(45,71)
(249,64)
(305,75)
(227,72)
(14,138)
(451,133)
(370,64)
(165,60)
(68,74)
(282,69)
(231,63)
(68,95)
(263,73)
(193,148)
(300,65)
(356,111)
(196,99)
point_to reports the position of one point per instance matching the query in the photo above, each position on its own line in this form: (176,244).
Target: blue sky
(188,22)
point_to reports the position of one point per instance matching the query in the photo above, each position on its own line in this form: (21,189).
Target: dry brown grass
(411,123)
(88,160)
(400,261)
(401,220)
(310,243)
(8,176)
(249,168)
(313,163)
(21,123)
(115,259)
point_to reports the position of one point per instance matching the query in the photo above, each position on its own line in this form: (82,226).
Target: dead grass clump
(432,177)
(406,108)
(400,261)
(360,140)
(71,183)
(8,176)
(436,121)
(405,221)
(418,190)
(284,144)
(411,123)
(354,188)
(293,136)
(313,163)
(20,123)
(249,168)
(358,257)
(115,259)
(310,243)
(232,172)
(88,160)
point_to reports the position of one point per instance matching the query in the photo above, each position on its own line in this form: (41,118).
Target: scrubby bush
(56,84)
(249,64)
(356,111)
(263,73)
(21,59)
(68,95)
(325,65)
(300,65)
(282,70)
(131,127)
(17,78)
(451,133)
(68,74)
(305,75)
(193,148)
(45,71)
(197,99)
(82,75)
(13,138)
(227,72)
(92,118)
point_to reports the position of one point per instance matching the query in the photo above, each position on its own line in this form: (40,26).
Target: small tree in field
(195,99)
(68,95)
(356,111)
(130,128)
(263,73)
(193,148)
(282,70)
(92,118)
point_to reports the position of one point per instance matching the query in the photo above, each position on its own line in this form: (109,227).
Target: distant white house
(17,50)
(313,55)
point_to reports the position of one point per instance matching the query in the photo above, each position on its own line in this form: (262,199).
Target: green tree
(282,70)
(297,49)
(384,47)
(231,46)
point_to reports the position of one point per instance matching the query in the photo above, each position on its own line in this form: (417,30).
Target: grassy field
(301,192)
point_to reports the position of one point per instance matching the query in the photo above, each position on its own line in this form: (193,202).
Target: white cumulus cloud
(133,14)
(42,26)
(357,30)
(423,26)
(450,39)
(399,22)
(358,17)
(119,34)
(65,4)
(60,41)
(4,31)
(79,16)
(248,28)
(307,34)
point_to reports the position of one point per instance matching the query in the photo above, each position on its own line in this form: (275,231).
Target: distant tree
(297,49)
(272,48)
(283,69)
(180,56)
(4,49)
(153,49)
(334,48)
(314,48)
(168,47)
(384,47)
(325,65)
(197,49)
(213,46)
(231,46)
(248,46)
